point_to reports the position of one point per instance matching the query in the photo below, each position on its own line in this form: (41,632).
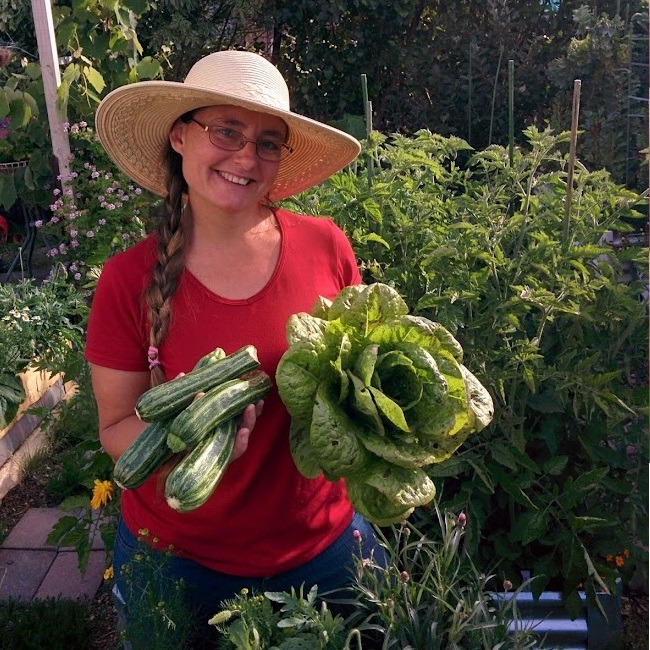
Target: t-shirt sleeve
(348,268)
(117,334)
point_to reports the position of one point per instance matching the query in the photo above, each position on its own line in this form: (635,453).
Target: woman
(226,268)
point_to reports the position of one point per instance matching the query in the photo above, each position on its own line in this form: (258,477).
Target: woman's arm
(116,393)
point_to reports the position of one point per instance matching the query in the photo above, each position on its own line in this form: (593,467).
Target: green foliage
(41,327)
(463,88)
(100,42)
(553,322)
(279,621)
(49,623)
(12,393)
(159,618)
(74,435)
(605,52)
(429,595)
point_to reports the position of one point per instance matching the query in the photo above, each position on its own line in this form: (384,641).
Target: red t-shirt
(264,518)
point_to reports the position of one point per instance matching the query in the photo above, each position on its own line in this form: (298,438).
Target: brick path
(31,569)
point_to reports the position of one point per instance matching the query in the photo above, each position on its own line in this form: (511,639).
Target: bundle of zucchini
(199,432)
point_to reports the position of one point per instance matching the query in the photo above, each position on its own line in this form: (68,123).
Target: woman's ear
(177,137)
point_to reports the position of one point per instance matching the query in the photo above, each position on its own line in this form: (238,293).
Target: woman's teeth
(235,179)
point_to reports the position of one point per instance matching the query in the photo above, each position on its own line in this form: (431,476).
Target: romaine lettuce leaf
(334,437)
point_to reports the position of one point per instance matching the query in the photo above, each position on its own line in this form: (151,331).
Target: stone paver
(30,568)
(64,580)
(35,526)
(32,530)
(22,572)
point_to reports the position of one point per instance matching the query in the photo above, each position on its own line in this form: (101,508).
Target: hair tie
(152,355)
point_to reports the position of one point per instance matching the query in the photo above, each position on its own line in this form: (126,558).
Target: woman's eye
(269,145)
(226,133)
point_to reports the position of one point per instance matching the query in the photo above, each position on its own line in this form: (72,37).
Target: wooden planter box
(41,389)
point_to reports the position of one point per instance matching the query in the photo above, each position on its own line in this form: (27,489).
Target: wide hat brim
(133,124)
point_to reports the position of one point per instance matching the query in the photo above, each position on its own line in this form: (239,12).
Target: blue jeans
(158,589)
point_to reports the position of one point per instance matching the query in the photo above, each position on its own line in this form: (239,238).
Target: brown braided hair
(170,254)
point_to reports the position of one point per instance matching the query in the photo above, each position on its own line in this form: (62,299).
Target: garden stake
(511,110)
(494,94)
(469,97)
(367,111)
(572,156)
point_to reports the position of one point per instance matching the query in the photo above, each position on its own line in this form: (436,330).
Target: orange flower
(626,552)
(102,494)
(619,561)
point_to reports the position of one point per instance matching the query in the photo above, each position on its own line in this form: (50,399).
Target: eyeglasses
(226,138)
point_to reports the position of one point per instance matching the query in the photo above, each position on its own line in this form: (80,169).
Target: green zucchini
(195,478)
(219,404)
(209,358)
(142,457)
(170,398)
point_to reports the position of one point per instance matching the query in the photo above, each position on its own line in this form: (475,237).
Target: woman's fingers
(248,419)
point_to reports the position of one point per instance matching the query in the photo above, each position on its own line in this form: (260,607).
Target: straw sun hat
(133,122)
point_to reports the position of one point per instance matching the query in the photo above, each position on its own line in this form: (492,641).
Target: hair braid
(170,259)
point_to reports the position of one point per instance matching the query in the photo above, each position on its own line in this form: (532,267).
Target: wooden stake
(49,60)
(572,155)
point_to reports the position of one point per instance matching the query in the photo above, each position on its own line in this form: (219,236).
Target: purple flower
(5,124)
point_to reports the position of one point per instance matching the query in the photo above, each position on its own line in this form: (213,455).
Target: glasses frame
(285,149)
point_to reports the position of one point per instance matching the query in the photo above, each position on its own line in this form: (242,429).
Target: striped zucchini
(142,457)
(219,404)
(170,398)
(194,479)
(209,358)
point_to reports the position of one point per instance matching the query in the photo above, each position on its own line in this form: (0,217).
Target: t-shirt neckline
(190,277)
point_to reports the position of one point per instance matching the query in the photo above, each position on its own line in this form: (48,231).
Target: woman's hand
(248,419)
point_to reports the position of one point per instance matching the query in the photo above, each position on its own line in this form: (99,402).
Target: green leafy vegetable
(376,394)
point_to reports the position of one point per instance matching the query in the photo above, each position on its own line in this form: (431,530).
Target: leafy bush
(99,214)
(41,327)
(556,322)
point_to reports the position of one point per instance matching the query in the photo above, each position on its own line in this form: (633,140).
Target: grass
(51,623)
